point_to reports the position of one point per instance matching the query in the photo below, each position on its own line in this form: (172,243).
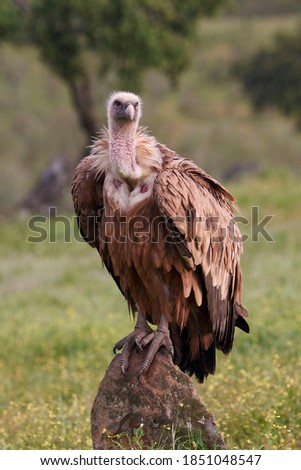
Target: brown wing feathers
(87,197)
(199,209)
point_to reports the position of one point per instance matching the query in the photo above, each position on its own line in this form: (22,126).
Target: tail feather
(241,323)
(203,362)
(241,314)
(201,365)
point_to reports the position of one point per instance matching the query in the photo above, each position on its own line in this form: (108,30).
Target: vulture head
(124,112)
(123,108)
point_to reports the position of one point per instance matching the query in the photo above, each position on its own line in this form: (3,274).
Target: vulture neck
(122,148)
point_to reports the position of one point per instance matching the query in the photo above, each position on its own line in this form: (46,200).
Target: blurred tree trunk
(52,183)
(82,97)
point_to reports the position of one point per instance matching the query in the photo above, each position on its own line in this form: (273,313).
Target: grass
(61,314)
(188,441)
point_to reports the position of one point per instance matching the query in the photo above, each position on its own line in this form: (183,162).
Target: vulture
(166,233)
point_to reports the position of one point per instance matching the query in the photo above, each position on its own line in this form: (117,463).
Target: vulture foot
(158,339)
(141,337)
(136,339)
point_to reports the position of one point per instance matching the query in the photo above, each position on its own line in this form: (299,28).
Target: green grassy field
(61,314)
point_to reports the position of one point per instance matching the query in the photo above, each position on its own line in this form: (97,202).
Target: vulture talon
(126,344)
(161,339)
(120,344)
(134,339)
(146,340)
(157,339)
(139,345)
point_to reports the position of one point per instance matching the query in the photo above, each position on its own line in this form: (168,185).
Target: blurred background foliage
(60,60)
(126,38)
(272,76)
(220,82)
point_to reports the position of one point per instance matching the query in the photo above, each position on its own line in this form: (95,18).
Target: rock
(161,409)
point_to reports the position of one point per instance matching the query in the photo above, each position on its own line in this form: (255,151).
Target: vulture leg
(135,339)
(160,337)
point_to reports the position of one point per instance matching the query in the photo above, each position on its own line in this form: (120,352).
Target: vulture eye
(136,104)
(117,103)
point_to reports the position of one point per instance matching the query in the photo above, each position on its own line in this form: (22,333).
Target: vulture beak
(129,110)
